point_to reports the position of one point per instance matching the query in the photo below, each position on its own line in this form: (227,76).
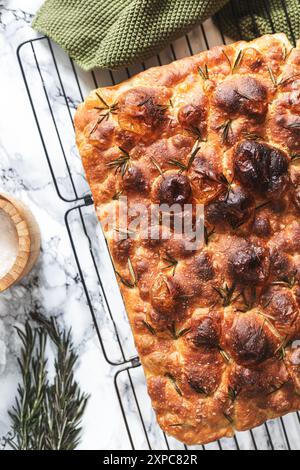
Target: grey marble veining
(54,287)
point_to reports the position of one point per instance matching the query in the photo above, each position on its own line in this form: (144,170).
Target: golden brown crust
(214,326)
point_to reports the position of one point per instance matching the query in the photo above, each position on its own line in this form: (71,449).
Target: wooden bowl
(29,240)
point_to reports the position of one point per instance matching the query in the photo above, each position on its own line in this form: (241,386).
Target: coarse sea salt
(8,243)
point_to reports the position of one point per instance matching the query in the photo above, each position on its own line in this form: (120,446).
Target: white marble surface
(54,286)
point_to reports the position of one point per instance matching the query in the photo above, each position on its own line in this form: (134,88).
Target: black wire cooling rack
(55,86)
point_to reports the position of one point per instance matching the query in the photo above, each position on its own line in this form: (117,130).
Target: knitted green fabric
(250,19)
(115,33)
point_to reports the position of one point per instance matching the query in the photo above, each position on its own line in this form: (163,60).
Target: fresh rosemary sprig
(196,132)
(226,57)
(263,205)
(194,152)
(232,393)
(46,416)
(131,272)
(117,195)
(281,350)
(157,166)
(126,232)
(228,417)
(286,53)
(288,80)
(226,129)
(105,111)
(224,355)
(288,282)
(208,234)
(122,163)
(284,81)
(149,327)
(226,294)
(276,390)
(172,263)
(186,167)
(197,388)
(293,125)
(272,76)
(295,157)
(161,107)
(251,136)
(237,61)
(174,383)
(242,95)
(180,425)
(130,284)
(203,72)
(178,334)
(181,166)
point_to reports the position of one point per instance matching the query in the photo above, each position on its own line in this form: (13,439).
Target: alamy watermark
(155,222)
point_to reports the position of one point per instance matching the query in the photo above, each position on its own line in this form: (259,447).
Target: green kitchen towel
(115,33)
(248,19)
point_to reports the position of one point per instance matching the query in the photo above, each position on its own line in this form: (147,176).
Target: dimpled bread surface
(216,326)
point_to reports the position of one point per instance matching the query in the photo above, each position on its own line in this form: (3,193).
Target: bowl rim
(24,243)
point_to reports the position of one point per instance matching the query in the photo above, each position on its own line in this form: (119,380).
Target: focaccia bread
(216,327)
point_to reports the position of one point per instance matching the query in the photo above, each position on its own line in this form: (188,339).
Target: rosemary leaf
(228,417)
(273,78)
(295,157)
(251,136)
(227,58)
(194,154)
(131,271)
(124,281)
(238,61)
(182,167)
(288,282)
(121,164)
(157,166)
(264,204)
(242,95)
(232,394)
(117,195)
(46,416)
(172,263)
(224,354)
(226,294)
(286,81)
(125,231)
(293,125)
(197,133)
(172,330)
(174,383)
(276,390)
(203,72)
(281,350)
(177,335)
(208,234)
(286,53)
(149,327)
(226,129)
(197,388)
(183,332)
(102,100)
(103,116)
